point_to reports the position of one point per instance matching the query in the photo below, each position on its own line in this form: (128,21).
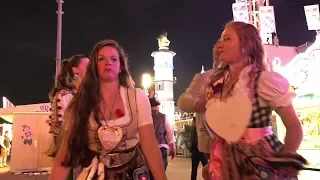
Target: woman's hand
(205,172)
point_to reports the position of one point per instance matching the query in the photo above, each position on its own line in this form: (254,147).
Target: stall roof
(284,53)
(3,121)
(7,113)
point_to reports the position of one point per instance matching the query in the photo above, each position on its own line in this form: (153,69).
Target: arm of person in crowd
(275,90)
(65,101)
(1,142)
(193,100)
(147,137)
(58,171)
(170,137)
(10,145)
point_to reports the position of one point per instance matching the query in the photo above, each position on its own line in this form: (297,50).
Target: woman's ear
(75,70)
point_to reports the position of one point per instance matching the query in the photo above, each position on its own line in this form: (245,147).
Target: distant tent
(2,121)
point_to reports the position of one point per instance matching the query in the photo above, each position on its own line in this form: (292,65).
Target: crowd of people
(5,146)
(105,128)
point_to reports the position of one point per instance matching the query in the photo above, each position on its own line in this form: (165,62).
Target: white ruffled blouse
(273,88)
(229,118)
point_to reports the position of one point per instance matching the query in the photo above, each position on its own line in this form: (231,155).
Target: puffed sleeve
(65,101)
(144,108)
(69,121)
(274,89)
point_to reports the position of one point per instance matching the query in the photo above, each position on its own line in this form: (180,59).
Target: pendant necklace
(109,137)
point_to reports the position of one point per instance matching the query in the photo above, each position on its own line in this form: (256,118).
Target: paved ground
(178,169)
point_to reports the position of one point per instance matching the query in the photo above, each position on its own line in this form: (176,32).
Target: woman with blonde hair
(240,99)
(110,133)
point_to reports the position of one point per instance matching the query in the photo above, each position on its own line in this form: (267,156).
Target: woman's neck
(77,84)
(109,87)
(236,68)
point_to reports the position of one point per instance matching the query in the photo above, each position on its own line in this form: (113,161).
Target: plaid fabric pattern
(261,117)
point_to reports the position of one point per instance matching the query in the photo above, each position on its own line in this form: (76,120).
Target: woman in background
(194,100)
(72,72)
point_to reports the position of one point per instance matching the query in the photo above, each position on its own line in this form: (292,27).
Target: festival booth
(303,73)
(31,138)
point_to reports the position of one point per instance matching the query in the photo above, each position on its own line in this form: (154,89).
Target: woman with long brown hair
(240,99)
(70,76)
(71,73)
(110,133)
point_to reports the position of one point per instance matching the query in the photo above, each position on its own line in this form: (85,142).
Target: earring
(75,77)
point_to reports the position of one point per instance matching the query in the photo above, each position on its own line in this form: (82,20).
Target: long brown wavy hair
(251,46)
(86,101)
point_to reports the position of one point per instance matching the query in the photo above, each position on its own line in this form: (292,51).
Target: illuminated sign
(240,12)
(312,16)
(163,60)
(159,86)
(163,65)
(163,75)
(45,108)
(303,70)
(164,90)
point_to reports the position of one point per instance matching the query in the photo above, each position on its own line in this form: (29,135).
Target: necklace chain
(112,107)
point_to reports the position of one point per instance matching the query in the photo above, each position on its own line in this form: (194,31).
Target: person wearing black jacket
(197,156)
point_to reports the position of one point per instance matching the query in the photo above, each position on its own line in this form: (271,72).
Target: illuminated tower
(163,76)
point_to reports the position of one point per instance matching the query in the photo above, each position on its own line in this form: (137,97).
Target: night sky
(28,36)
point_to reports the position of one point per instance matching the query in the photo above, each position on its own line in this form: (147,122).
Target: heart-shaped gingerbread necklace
(109,137)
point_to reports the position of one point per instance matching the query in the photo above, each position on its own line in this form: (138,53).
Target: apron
(123,165)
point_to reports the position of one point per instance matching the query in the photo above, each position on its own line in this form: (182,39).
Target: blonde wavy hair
(215,54)
(251,46)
